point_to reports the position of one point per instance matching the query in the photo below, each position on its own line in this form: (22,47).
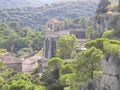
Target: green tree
(66,69)
(108,34)
(89,32)
(51,76)
(3,27)
(55,63)
(9,40)
(66,44)
(14,25)
(84,68)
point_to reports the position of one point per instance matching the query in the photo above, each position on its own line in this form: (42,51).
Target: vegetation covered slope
(29,3)
(20,41)
(36,17)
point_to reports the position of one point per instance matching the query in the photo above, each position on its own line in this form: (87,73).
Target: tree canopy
(66,45)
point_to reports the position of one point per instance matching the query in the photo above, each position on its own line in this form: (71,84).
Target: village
(54,30)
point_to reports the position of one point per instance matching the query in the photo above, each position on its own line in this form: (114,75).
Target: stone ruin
(24,65)
(54,30)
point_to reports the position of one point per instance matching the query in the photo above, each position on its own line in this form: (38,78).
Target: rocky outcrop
(110,79)
(92,85)
(102,7)
(103,22)
(105,19)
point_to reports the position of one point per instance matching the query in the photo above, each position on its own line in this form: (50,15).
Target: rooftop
(53,20)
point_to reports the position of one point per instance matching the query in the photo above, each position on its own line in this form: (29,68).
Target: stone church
(54,29)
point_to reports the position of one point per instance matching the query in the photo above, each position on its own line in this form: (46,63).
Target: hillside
(25,3)
(35,17)
(28,3)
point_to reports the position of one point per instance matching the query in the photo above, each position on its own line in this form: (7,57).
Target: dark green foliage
(98,43)
(66,46)
(23,41)
(55,63)
(66,69)
(35,17)
(108,34)
(50,78)
(10,80)
(55,86)
(105,45)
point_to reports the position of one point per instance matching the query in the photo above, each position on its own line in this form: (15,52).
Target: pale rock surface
(111,77)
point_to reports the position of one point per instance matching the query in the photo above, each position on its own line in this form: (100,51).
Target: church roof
(53,20)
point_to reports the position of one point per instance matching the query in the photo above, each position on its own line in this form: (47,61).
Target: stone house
(31,63)
(24,65)
(11,62)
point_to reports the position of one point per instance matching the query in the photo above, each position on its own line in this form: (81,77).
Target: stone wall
(16,66)
(21,64)
(50,47)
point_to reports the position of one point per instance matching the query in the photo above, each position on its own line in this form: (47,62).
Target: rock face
(111,69)
(104,22)
(104,19)
(102,7)
(111,76)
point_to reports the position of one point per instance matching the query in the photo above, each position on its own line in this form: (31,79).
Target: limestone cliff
(110,64)
(110,79)
(107,20)
(103,22)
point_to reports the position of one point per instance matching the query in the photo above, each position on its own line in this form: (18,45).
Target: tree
(3,27)
(51,76)
(14,25)
(9,40)
(87,62)
(108,34)
(66,44)
(85,67)
(66,69)
(89,32)
(55,63)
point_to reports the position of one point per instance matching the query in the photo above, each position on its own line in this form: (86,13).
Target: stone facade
(54,25)
(54,30)
(11,61)
(21,64)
